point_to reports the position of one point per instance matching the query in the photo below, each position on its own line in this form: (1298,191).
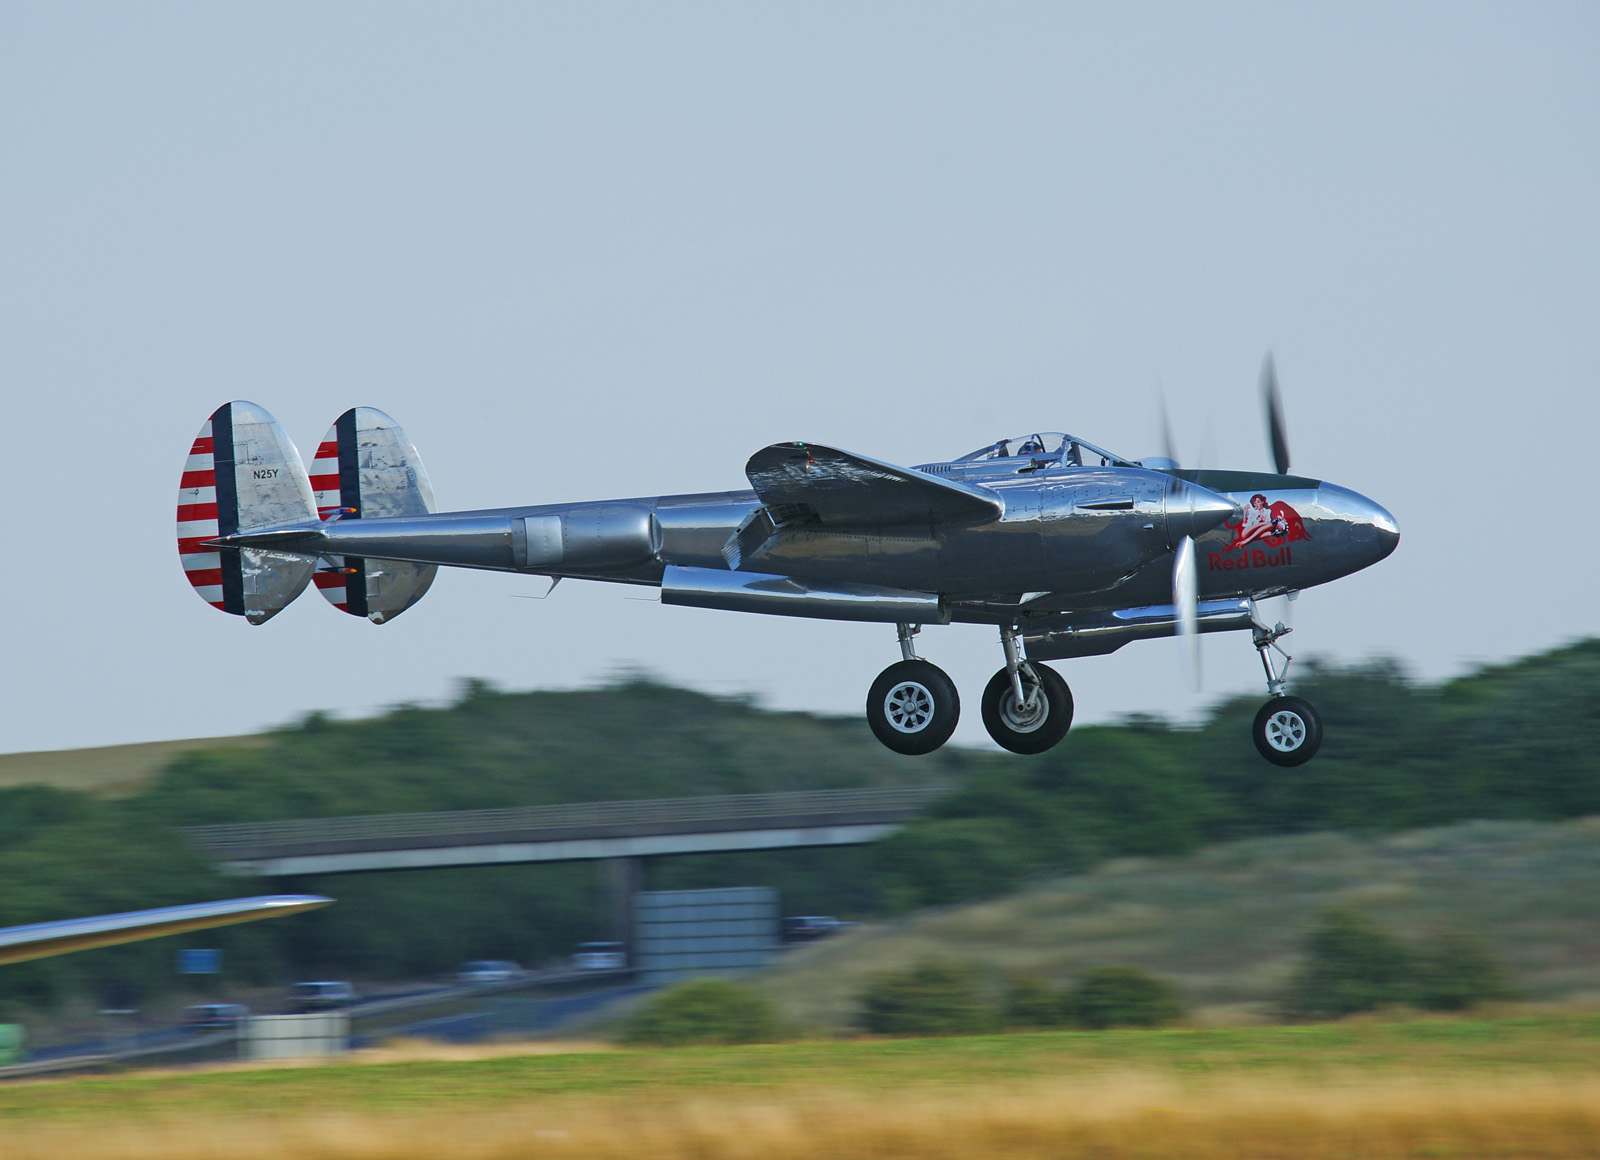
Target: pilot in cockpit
(1031,446)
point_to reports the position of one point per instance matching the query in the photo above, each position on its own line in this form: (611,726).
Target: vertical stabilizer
(243,473)
(366,468)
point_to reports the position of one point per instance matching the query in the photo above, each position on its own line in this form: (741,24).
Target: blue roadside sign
(199,962)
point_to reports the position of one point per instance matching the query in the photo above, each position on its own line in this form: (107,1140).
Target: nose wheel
(1287,730)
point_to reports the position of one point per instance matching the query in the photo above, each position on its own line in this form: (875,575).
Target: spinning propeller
(1272,403)
(1185,575)
(1185,572)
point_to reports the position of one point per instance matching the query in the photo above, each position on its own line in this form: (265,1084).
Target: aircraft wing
(42,939)
(800,481)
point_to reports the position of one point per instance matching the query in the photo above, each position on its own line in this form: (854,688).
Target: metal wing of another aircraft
(41,940)
(807,481)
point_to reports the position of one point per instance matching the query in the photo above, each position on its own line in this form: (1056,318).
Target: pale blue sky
(584,251)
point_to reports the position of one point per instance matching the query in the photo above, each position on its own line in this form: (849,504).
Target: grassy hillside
(109,770)
(1226,925)
(634,740)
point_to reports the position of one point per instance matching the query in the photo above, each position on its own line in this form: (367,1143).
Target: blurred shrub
(931,998)
(1030,1003)
(705,1011)
(1121,997)
(1456,973)
(1351,964)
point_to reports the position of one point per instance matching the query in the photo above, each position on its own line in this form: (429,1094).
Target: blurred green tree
(1121,997)
(705,1011)
(930,998)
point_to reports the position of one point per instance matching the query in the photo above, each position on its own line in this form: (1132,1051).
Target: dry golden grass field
(1486,1087)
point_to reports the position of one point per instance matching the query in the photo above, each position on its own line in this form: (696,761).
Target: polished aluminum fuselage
(1068,543)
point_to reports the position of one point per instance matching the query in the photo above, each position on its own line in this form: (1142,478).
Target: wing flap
(807,482)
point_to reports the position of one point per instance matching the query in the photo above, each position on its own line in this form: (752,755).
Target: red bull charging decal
(1271,527)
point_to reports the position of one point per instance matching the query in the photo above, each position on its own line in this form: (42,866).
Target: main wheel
(1287,731)
(913,707)
(1035,725)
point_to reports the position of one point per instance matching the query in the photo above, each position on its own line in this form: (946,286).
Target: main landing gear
(1287,730)
(913,706)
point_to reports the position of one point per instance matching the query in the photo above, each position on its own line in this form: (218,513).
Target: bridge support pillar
(623,877)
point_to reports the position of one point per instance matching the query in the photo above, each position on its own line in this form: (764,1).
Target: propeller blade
(1208,448)
(1169,449)
(1277,434)
(1186,600)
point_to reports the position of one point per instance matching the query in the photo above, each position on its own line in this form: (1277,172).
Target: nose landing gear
(1287,730)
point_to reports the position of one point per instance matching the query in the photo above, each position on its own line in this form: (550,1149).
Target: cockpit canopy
(1048,448)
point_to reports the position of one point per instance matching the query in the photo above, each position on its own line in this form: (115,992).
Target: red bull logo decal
(1271,526)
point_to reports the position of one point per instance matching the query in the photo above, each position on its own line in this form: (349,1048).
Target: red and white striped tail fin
(243,474)
(365,468)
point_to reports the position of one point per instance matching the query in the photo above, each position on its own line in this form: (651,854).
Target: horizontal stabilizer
(243,473)
(806,482)
(366,468)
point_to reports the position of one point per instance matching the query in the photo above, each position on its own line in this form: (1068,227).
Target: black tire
(1287,731)
(1032,734)
(913,707)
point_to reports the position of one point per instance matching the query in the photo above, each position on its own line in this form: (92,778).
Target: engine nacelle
(593,536)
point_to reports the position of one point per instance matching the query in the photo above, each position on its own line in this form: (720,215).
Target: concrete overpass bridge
(616,834)
(564,833)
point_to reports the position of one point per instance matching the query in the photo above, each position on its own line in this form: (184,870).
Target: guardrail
(224,841)
(188,1049)
(368,1023)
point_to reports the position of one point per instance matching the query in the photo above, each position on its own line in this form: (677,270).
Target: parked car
(325,995)
(488,971)
(600,956)
(805,927)
(214,1016)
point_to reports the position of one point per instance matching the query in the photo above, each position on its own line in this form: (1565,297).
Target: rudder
(367,467)
(243,473)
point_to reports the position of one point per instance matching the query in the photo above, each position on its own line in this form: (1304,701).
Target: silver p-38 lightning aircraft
(1068,549)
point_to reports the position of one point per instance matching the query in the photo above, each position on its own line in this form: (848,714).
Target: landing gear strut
(1027,707)
(913,706)
(1287,730)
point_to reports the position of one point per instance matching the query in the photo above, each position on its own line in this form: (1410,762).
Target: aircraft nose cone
(1367,529)
(1385,530)
(1193,510)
